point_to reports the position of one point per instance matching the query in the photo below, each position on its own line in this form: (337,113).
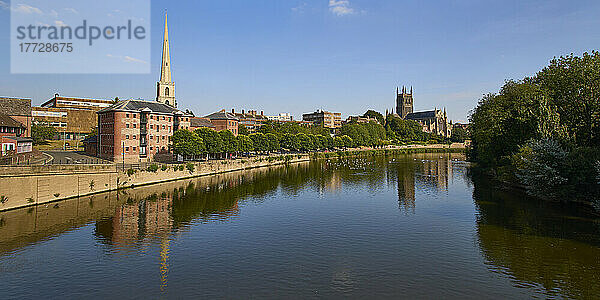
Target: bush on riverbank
(543,132)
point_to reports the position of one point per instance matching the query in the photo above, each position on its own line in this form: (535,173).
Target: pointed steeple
(397,90)
(165,69)
(165,87)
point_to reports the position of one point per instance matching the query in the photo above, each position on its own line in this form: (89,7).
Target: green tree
(212,141)
(42,132)
(259,140)
(290,141)
(272,142)
(376,115)
(459,135)
(347,141)
(187,143)
(229,142)
(244,144)
(304,142)
(243,130)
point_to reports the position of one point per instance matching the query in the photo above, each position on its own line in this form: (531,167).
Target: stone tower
(404,102)
(165,88)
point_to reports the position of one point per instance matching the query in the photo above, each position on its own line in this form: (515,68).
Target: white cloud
(4,5)
(60,23)
(300,8)
(27,9)
(53,13)
(341,7)
(131,59)
(127,59)
(71,10)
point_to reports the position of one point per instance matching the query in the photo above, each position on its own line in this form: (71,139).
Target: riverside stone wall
(53,184)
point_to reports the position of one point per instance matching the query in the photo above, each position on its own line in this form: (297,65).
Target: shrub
(190,167)
(163,168)
(3,199)
(180,167)
(152,168)
(130,172)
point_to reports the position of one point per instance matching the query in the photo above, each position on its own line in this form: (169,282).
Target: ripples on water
(418,226)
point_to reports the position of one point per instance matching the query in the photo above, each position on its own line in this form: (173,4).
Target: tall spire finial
(165,69)
(165,86)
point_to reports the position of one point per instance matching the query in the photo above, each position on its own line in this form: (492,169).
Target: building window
(126,149)
(134,137)
(127,137)
(134,125)
(127,125)
(163,126)
(167,91)
(133,149)
(126,115)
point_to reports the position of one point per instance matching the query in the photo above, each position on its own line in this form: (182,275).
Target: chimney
(262,113)
(242,111)
(56,95)
(233,110)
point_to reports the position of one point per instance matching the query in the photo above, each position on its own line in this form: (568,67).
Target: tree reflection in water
(550,247)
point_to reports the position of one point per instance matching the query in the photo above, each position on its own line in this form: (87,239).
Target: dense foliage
(544,131)
(41,132)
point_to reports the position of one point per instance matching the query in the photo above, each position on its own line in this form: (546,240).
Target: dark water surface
(390,227)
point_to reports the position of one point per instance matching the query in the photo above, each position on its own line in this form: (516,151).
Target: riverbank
(45,184)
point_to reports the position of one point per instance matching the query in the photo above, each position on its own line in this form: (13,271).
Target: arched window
(167,91)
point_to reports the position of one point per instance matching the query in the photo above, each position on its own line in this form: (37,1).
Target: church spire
(165,69)
(165,88)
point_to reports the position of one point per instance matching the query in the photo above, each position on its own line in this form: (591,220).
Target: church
(433,121)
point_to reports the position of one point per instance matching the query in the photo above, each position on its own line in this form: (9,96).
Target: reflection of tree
(545,245)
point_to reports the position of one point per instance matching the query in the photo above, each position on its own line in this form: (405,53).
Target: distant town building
(137,130)
(197,122)
(404,102)
(282,117)
(328,119)
(433,121)
(359,119)
(165,87)
(18,109)
(251,119)
(73,118)
(12,140)
(224,121)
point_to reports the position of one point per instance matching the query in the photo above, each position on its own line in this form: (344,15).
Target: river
(405,226)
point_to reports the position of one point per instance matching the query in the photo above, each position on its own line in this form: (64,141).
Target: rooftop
(15,106)
(428,114)
(7,121)
(222,115)
(139,105)
(201,122)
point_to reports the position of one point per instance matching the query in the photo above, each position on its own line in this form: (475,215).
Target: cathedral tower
(404,102)
(165,88)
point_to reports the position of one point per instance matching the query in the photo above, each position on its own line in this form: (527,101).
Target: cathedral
(165,88)
(433,121)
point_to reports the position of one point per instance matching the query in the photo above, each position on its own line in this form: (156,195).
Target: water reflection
(548,247)
(383,226)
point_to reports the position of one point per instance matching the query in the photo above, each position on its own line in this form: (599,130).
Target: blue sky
(348,56)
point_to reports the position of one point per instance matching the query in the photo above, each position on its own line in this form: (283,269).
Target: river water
(406,226)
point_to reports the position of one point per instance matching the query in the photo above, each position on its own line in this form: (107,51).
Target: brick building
(251,119)
(73,118)
(328,119)
(224,121)
(12,137)
(18,109)
(197,122)
(137,130)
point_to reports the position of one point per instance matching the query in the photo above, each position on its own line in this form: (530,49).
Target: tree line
(543,132)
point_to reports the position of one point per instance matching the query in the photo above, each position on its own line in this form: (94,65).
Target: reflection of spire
(164,264)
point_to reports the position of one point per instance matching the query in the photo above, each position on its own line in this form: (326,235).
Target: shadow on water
(551,247)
